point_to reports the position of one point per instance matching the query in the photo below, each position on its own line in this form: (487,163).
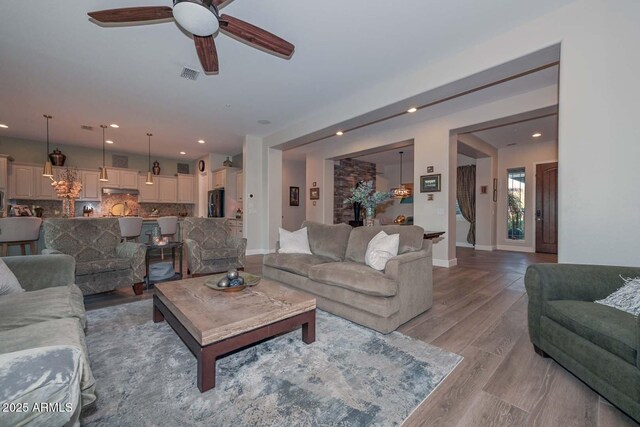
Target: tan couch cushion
(356,277)
(411,239)
(102,266)
(27,308)
(328,241)
(294,263)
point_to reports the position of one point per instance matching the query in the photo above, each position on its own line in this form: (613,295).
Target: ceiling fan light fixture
(195,17)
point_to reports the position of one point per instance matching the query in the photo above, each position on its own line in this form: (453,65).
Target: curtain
(466,195)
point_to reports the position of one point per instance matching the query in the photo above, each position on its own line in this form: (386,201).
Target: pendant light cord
(401,169)
(103,143)
(46,116)
(149,135)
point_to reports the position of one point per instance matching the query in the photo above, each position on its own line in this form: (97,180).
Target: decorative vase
(57,158)
(227,163)
(156,168)
(356,212)
(68,207)
(370,213)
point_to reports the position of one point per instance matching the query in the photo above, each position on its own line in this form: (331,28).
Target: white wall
(598,132)
(293,175)
(430,130)
(527,156)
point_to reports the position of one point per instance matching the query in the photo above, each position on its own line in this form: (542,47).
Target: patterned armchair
(210,246)
(102,262)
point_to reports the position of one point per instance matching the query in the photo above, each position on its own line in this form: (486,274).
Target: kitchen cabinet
(239,186)
(121,178)
(128,179)
(167,189)
(42,187)
(186,188)
(4,172)
(218,179)
(236,228)
(91,187)
(148,192)
(22,182)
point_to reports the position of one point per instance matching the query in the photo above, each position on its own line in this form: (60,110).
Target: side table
(175,247)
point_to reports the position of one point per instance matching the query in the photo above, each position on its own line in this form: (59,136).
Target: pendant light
(402,191)
(149,174)
(48,169)
(103,170)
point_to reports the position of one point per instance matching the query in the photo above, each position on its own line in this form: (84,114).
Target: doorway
(547,208)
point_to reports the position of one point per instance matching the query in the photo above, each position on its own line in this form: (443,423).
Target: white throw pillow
(294,242)
(8,281)
(381,249)
(627,298)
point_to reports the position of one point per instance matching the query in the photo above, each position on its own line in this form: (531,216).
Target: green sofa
(597,343)
(50,315)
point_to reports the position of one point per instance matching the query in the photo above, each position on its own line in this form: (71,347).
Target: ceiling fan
(202,19)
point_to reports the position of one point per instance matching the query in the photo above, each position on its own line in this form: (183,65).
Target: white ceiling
(521,133)
(55,61)
(390,157)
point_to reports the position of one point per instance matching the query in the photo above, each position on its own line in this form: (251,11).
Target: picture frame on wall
(314,193)
(294,196)
(431,183)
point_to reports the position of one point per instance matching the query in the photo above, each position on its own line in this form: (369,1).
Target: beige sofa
(336,274)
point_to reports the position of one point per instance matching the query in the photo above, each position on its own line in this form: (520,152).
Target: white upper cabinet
(128,179)
(22,182)
(186,188)
(91,187)
(148,192)
(167,189)
(4,173)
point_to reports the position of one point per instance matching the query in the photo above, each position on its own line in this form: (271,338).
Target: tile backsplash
(52,208)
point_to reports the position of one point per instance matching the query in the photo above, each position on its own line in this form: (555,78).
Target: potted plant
(364,194)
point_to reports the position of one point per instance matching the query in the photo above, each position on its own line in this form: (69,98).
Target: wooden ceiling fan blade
(206,49)
(132,14)
(255,36)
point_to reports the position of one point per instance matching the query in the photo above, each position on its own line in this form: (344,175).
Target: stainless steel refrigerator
(216,203)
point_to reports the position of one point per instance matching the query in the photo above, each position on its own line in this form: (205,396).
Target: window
(515,203)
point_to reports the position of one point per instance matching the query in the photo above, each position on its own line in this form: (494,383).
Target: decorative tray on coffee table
(249,280)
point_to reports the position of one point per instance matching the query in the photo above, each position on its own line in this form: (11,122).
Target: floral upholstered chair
(211,248)
(102,262)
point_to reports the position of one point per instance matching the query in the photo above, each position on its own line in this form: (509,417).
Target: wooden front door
(547,208)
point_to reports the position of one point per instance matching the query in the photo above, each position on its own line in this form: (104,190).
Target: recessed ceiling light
(412,110)
(201,141)
(108,141)
(183,153)
(339,133)
(264,122)
(113,125)
(3,126)
(537,135)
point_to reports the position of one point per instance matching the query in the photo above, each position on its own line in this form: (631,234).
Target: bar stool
(168,228)
(130,228)
(19,231)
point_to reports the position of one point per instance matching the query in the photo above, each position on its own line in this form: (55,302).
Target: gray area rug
(351,376)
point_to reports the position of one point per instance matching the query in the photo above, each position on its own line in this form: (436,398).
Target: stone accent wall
(346,173)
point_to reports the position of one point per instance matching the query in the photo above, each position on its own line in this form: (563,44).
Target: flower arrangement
(364,194)
(69,186)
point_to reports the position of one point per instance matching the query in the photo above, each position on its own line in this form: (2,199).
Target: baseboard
(445,263)
(515,248)
(489,248)
(464,245)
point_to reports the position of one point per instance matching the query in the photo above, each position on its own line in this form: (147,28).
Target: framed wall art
(314,193)
(430,183)
(294,196)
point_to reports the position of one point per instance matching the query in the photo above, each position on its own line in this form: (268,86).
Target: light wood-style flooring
(480,312)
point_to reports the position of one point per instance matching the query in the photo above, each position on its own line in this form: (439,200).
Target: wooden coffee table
(213,323)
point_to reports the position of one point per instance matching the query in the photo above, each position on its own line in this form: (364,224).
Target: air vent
(86,127)
(189,73)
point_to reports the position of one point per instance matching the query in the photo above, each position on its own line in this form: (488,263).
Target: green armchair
(597,343)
